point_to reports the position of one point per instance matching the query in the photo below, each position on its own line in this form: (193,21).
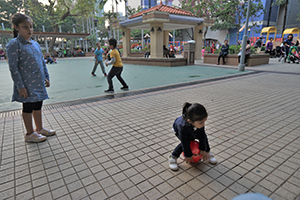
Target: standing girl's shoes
(46,132)
(35,137)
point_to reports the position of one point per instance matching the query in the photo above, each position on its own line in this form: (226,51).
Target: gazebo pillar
(126,43)
(166,38)
(198,34)
(157,39)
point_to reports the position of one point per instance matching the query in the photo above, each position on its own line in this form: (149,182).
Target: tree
(202,8)
(57,11)
(7,9)
(131,11)
(231,14)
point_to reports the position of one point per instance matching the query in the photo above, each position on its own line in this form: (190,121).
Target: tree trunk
(228,37)
(284,19)
(269,16)
(52,41)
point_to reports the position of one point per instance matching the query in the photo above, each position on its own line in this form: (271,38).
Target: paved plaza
(116,146)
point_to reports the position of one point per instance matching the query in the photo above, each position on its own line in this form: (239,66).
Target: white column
(174,37)
(46,43)
(75,38)
(62,39)
(142,39)
(118,36)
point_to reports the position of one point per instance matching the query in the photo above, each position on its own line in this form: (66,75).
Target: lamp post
(95,24)
(74,25)
(245,37)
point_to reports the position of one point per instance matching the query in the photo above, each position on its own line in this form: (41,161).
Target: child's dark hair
(18,18)
(193,112)
(112,41)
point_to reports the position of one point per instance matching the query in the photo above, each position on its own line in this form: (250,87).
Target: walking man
(98,59)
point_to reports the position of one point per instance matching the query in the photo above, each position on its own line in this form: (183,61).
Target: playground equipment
(291,31)
(268,30)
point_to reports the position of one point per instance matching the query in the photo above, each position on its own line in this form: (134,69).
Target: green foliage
(92,38)
(202,8)
(132,11)
(207,49)
(233,49)
(231,12)
(280,2)
(7,9)
(134,50)
(263,48)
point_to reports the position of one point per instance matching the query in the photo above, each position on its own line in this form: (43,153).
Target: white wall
(219,35)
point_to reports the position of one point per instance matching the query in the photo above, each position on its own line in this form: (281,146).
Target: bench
(232,59)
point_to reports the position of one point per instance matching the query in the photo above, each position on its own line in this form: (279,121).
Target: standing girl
(30,76)
(187,128)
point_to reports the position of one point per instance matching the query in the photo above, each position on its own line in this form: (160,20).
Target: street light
(95,23)
(245,37)
(74,25)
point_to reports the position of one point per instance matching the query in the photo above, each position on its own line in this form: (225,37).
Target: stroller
(293,56)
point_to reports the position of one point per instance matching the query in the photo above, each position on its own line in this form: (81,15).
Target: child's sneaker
(109,91)
(46,132)
(173,163)
(124,88)
(35,137)
(212,159)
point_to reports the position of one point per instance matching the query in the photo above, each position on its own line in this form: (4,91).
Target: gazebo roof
(164,8)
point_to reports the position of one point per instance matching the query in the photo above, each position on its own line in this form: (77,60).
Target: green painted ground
(71,79)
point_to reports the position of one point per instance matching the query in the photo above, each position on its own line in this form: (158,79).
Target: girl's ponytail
(185,108)
(15,32)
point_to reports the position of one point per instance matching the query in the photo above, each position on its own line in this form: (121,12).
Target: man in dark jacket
(224,52)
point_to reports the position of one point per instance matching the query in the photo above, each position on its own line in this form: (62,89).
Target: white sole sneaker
(35,137)
(46,132)
(173,163)
(212,159)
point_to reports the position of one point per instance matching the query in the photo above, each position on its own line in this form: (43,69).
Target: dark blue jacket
(186,133)
(224,49)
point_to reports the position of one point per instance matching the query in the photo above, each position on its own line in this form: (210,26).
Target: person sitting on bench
(224,52)
(166,52)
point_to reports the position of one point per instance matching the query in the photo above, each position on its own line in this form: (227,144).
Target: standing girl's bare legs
(27,118)
(37,116)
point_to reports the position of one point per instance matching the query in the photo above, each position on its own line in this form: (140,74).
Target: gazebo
(160,19)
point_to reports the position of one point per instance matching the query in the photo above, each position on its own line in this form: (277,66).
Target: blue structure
(275,19)
(145,4)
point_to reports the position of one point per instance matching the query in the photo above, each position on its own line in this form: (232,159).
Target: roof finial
(161,2)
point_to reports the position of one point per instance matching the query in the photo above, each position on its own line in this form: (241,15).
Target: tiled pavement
(118,148)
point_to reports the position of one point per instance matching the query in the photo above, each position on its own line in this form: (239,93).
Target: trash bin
(189,52)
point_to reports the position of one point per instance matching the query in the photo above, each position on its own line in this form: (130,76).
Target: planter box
(164,62)
(138,54)
(232,59)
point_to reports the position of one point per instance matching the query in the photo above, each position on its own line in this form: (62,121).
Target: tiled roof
(164,8)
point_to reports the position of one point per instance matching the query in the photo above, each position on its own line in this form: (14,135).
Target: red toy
(194,145)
